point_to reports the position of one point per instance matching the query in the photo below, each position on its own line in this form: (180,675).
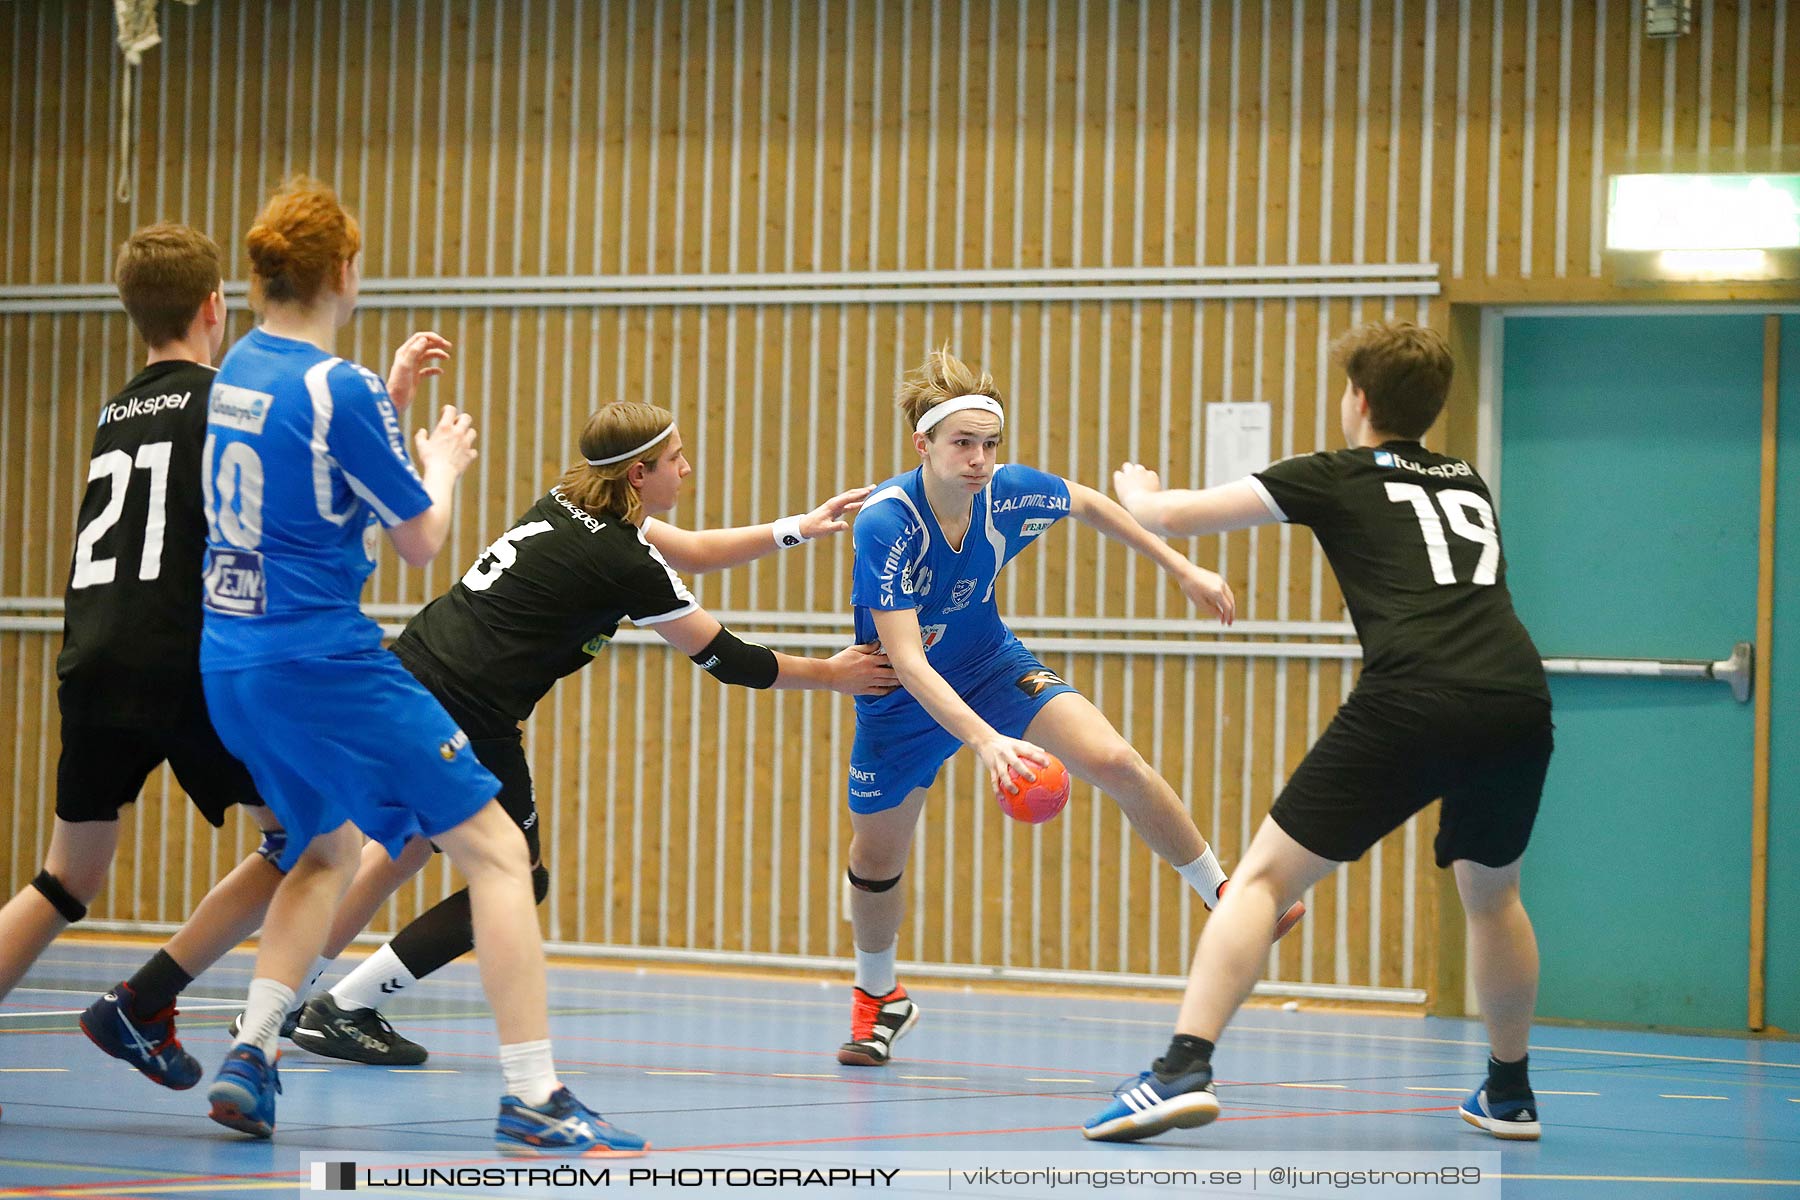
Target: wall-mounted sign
(1703,212)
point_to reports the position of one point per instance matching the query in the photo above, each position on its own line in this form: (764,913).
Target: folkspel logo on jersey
(143,406)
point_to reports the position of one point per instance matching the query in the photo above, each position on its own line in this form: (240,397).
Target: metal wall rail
(778,297)
(747,281)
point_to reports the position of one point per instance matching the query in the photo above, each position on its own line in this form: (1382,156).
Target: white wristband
(787,533)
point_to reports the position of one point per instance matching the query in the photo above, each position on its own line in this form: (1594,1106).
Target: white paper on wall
(1237,440)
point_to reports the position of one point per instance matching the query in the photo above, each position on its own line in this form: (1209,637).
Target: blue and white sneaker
(1512,1120)
(562,1125)
(243,1092)
(1148,1105)
(149,1044)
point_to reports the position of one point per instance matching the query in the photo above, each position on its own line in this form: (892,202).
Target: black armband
(730,660)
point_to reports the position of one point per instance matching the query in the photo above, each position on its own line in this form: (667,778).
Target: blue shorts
(348,737)
(902,747)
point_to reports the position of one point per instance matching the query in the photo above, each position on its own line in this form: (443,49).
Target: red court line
(948,1133)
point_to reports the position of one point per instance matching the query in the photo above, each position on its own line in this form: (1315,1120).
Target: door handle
(1739,670)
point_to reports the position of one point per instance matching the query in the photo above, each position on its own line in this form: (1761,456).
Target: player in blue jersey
(304,467)
(930,545)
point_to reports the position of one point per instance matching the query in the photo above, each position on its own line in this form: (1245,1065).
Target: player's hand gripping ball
(1037,800)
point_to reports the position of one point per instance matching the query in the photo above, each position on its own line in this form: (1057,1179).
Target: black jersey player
(1451,703)
(544,598)
(129,671)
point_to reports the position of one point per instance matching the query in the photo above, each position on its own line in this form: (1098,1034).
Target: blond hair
(941,377)
(615,429)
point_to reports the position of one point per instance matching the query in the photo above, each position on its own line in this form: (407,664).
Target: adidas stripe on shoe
(1149,1105)
(1509,1120)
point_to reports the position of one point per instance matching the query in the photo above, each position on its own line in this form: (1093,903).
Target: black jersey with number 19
(131,614)
(1415,544)
(539,603)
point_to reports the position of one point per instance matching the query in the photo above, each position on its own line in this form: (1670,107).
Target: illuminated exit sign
(1703,212)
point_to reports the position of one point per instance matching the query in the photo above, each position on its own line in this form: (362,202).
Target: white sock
(380,975)
(875,970)
(267,1003)
(1205,876)
(530,1074)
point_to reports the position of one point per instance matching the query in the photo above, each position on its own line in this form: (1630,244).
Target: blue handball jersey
(303,457)
(904,561)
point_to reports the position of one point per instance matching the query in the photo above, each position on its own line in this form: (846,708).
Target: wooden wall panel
(711,138)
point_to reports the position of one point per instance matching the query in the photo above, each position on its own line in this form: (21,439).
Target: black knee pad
(540,882)
(870,885)
(51,887)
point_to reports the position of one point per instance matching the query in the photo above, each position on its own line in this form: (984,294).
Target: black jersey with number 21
(1415,544)
(541,601)
(131,614)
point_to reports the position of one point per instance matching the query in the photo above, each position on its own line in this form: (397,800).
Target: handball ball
(1037,800)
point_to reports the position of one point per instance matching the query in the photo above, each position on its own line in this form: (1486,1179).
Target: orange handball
(1037,800)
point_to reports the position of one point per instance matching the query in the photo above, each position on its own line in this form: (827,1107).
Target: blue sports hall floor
(736,1073)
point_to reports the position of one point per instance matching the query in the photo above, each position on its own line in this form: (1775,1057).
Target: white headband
(618,458)
(956,404)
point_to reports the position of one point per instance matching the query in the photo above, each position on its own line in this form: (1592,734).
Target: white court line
(1033,1079)
(803,1075)
(423,1071)
(939,1078)
(1541,1092)
(1329,1087)
(36,1070)
(1678,1096)
(1457,1090)
(678,1072)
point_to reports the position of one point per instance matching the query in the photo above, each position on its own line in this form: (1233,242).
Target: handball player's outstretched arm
(444,454)
(697,551)
(1000,755)
(1202,587)
(1182,512)
(854,670)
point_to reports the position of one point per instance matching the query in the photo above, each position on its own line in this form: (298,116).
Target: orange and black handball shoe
(876,1023)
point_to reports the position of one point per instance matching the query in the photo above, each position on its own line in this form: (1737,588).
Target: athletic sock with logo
(379,977)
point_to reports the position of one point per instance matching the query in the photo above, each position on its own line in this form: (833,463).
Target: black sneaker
(358,1035)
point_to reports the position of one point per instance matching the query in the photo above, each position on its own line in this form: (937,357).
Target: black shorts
(496,741)
(103,768)
(1387,754)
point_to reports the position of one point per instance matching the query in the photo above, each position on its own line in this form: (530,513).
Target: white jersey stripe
(318,387)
